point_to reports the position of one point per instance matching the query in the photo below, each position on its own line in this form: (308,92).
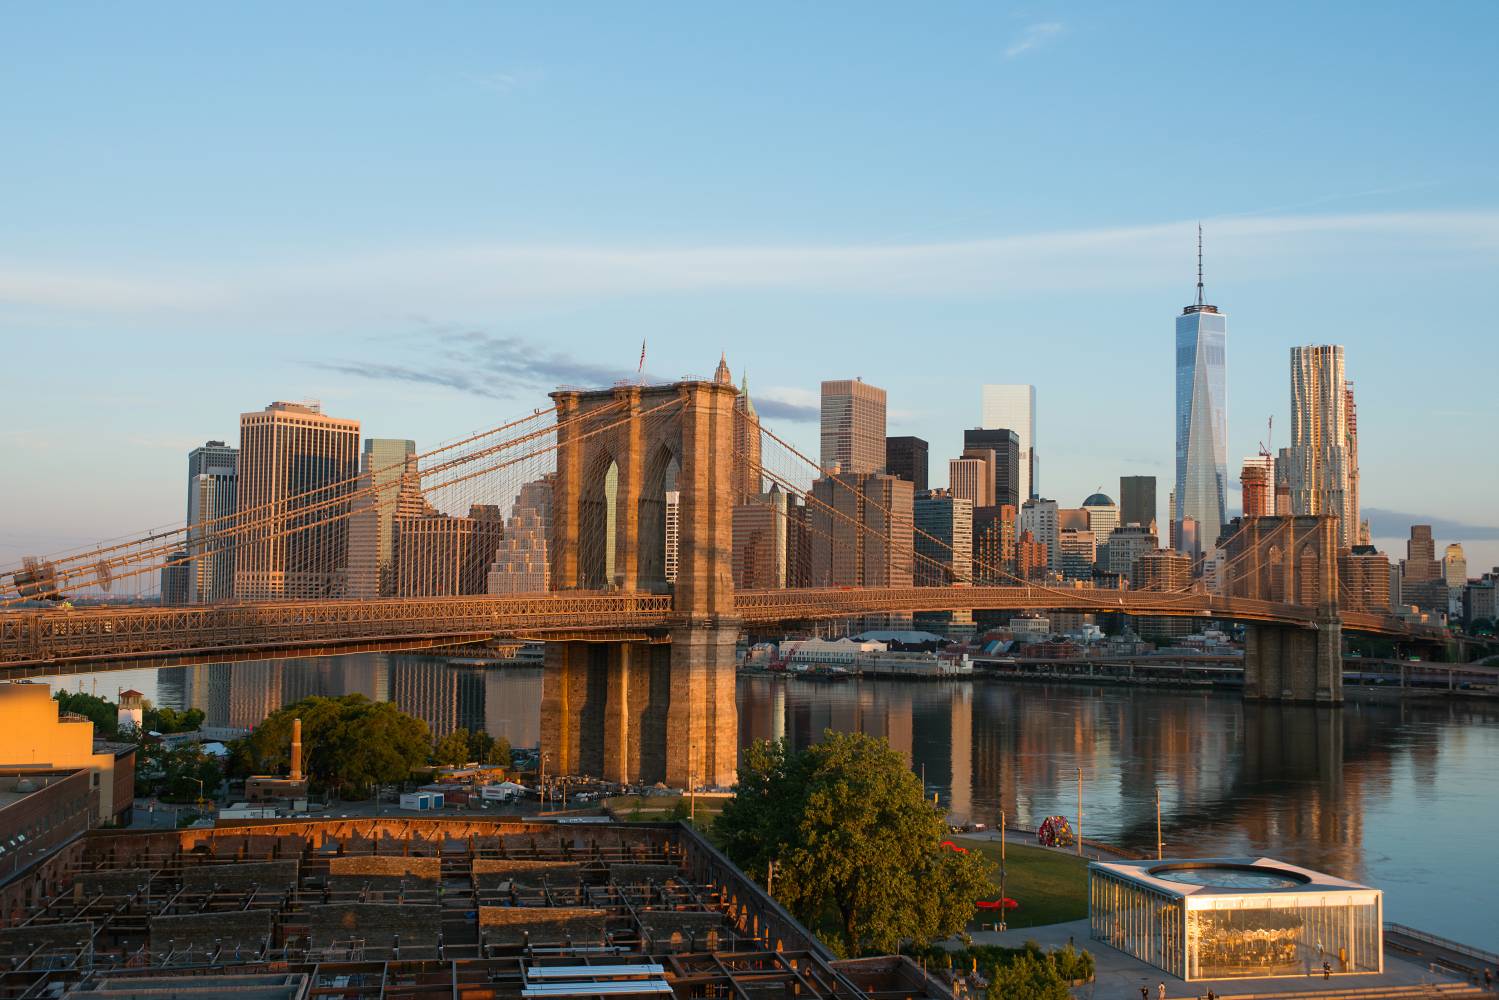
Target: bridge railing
(120,633)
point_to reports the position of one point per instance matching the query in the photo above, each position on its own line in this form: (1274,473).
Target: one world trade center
(1201,508)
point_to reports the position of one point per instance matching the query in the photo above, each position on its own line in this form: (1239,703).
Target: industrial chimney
(296,749)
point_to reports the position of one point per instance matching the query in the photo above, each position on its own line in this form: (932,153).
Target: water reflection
(1398,794)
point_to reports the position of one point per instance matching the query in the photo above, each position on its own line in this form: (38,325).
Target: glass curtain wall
(1138,921)
(1283,940)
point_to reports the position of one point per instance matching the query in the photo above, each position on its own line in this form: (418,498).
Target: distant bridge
(641,637)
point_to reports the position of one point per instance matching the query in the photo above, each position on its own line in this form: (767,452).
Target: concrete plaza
(1120,977)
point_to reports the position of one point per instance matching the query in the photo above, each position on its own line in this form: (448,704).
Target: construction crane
(1269,436)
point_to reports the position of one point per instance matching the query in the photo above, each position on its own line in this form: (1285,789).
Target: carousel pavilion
(1235,918)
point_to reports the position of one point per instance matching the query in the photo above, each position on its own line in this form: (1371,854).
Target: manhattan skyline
(429,230)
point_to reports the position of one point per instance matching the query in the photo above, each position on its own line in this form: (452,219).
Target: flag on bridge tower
(640,369)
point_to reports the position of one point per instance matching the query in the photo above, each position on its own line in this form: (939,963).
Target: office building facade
(1137,500)
(1013,407)
(1004,444)
(438,555)
(1201,418)
(383,464)
(972,478)
(212,486)
(849,548)
(1257,485)
(853,427)
(1316,471)
(944,540)
(293,456)
(1039,518)
(906,458)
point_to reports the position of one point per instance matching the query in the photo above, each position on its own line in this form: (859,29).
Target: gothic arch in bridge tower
(632,706)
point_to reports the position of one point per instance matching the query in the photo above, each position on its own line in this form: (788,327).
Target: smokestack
(296,749)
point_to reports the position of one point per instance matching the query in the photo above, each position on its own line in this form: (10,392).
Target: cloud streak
(483,364)
(1396,524)
(474,279)
(1033,37)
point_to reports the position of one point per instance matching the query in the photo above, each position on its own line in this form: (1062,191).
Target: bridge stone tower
(646,707)
(1290,560)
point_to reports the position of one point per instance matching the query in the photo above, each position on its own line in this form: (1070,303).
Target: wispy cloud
(1396,524)
(482,364)
(1032,37)
(785,403)
(479,279)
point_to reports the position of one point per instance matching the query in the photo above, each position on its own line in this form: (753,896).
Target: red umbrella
(997,904)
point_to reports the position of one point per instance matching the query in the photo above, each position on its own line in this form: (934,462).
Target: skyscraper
(944,540)
(1201,417)
(1039,517)
(1137,500)
(849,547)
(1455,566)
(382,465)
(906,458)
(1317,469)
(1257,485)
(438,555)
(1014,407)
(1004,444)
(212,480)
(1103,516)
(292,456)
(972,478)
(853,426)
(746,444)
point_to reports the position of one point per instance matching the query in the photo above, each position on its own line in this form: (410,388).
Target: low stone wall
(23,940)
(270,874)
(398,866)
(376,923)
(491,873)
(544,925)
(629,873)
(245,929)
(117,882)
(693,926)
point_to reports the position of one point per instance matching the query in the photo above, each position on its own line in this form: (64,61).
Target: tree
(162,719)
(857,848)
(349,743)
(1028,976)
(452,749)
(104,714)
(487,750)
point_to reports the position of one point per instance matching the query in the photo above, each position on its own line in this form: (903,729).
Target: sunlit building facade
(1236,918)
(1201,418)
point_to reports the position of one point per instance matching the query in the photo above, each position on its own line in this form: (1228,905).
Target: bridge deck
(35,642)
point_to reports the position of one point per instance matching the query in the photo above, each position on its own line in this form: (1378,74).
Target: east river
(1402,795)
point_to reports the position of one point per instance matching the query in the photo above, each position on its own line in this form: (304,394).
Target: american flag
(640,369)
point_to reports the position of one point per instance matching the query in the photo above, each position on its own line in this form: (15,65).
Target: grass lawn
(660,807)
(1049,886)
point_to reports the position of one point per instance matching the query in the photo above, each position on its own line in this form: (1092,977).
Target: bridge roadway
(78,640)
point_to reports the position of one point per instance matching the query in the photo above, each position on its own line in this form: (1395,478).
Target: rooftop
(429,908)
(1201,879)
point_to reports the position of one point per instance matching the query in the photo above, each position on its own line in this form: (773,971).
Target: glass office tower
(1201,420)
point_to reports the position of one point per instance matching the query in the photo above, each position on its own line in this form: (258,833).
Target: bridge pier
(1293,663)
(638,710)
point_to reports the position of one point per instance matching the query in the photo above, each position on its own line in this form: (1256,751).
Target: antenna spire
(1199,264)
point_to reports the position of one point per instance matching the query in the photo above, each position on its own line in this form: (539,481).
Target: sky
(426,216)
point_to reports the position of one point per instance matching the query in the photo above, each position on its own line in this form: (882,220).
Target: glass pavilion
(1235,918)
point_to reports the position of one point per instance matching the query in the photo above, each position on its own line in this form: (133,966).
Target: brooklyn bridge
(637,601)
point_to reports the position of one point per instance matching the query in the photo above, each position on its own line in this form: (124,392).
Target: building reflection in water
(1397,794)
(503,701)
(1294,782)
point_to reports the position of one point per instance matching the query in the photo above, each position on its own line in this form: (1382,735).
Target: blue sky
(426,215)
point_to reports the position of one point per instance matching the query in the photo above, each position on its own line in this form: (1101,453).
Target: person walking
(1160,990)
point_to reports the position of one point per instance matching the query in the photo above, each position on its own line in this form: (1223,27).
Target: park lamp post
(1003,913)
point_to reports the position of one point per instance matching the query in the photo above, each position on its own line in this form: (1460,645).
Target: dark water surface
(1402,795)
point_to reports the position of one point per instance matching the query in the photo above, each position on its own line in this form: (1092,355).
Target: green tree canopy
(487,750)
(105,714)
(857,848)
(348,743)
(161,719)
(452,749)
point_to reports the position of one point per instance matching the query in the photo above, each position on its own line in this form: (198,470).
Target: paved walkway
(1119,977)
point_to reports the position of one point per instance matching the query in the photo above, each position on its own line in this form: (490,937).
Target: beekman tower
(1201,508)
